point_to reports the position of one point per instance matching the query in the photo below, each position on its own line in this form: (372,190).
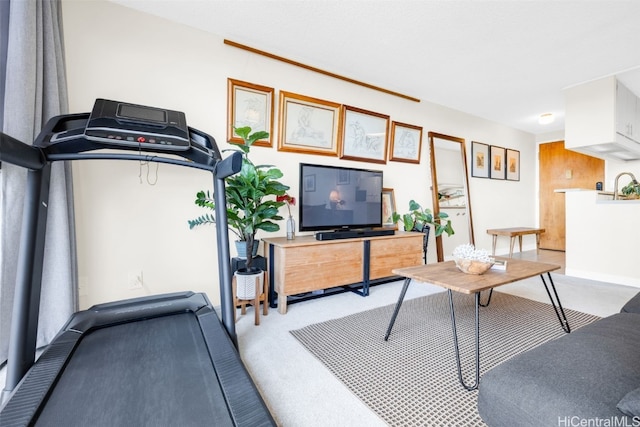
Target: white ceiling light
(546,118)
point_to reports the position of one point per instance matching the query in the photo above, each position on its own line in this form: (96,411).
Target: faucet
(615,185)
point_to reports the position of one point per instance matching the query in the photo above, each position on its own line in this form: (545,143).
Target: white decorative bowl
(471,266)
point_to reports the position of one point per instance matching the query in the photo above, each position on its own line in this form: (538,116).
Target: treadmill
(163,360)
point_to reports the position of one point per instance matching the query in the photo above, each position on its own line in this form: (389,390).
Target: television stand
(352,234)
(305,264)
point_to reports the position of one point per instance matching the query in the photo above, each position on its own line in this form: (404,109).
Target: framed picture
(308,125)
(388,208)
(343,177)
(406,143)
(309,183)
(364,135)
(479,160)
(251,105)
(513,165)
(497,162)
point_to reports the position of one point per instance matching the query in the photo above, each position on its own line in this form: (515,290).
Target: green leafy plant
(249,205)
(631,190)
(417,217)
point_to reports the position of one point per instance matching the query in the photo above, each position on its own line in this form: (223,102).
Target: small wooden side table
(261,295)
(512,233)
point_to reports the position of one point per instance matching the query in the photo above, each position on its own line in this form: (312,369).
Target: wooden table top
(515,231)
(447,275)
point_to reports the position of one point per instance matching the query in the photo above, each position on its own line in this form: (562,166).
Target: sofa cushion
(630,403)
(632,306)
(584,374)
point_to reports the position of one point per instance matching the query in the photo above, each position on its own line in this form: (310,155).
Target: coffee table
(447,275)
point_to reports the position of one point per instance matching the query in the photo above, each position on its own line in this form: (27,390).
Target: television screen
(334,197)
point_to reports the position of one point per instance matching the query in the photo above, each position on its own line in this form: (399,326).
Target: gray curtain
(34,91)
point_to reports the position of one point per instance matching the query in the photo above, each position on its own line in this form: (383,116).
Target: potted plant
(417,217)
(251,205)
(631,190)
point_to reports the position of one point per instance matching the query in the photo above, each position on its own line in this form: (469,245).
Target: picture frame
(497,162)
(308,125)
(388,208)
(249,104)
(513,165)
(405,143)
(309,183)
(343,177)
(364,135)
(480,160)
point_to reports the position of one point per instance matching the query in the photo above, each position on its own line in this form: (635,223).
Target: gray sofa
(589,376)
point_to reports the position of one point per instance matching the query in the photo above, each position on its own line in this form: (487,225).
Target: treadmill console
(120,123)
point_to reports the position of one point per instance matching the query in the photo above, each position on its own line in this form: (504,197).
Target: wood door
(560,168)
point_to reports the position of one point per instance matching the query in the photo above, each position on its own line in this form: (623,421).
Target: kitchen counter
(602,196)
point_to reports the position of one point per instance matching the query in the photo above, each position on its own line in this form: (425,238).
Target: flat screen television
(339,198)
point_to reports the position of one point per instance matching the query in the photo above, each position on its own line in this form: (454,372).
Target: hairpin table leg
(405,286)
(486,304)
(562,317)
(477,341)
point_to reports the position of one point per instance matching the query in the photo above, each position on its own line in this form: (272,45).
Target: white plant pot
(246,283)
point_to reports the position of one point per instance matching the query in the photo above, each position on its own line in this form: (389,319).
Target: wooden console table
(512,233)
(305,264)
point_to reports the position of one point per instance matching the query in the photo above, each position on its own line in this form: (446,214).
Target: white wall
(126,227)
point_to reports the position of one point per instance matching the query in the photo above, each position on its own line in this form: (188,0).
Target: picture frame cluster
(315,126)
(492,161)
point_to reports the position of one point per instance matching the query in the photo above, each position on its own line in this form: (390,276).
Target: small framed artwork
(479,160)
(343,177)
(308,125)
(250,105)
(406,143)
(513,165)
(497,162)
(309,183)
(364,135)
(388,208)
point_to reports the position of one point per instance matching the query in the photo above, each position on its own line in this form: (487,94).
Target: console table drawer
(388,254)
(314,267)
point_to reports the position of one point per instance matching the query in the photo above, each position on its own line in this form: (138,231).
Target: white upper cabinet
(627,113)
(602,119)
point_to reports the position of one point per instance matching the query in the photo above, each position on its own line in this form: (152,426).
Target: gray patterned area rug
(411,379)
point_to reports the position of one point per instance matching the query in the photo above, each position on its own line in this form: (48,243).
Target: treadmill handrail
(20,154)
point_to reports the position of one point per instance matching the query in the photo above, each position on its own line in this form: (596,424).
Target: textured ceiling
(506,61)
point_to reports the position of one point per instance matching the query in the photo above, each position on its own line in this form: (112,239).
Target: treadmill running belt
(154,372)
